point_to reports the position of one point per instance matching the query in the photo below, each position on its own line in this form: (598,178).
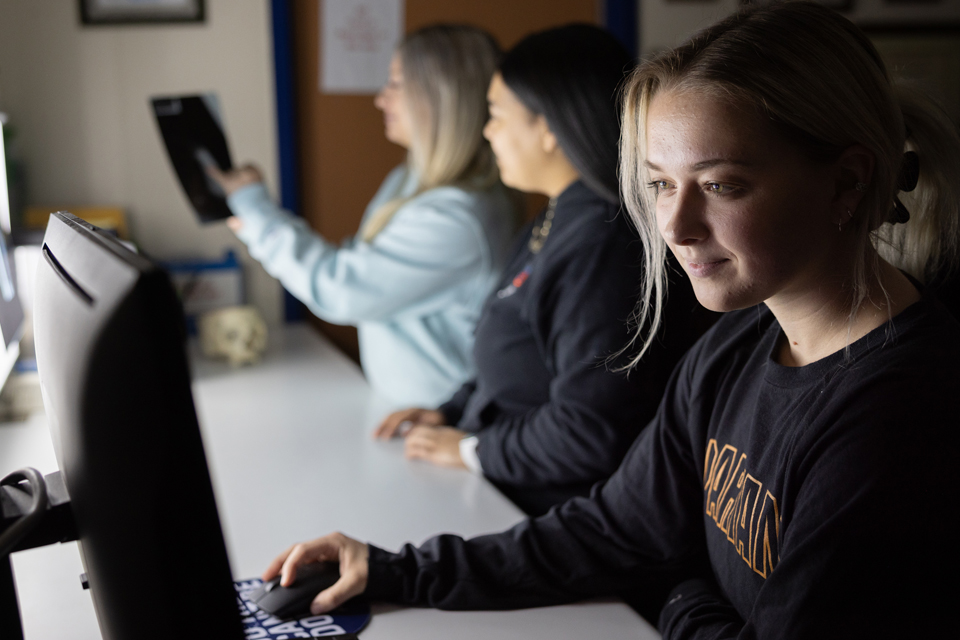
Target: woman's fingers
(325,548)
(439,445)
(273,570)
(342,590)
(234,179)
(354,569)
(296,557)
(430,417)
(214,172)
(393,424)
(388,427)
(235,224)
(250,173)
(421,443)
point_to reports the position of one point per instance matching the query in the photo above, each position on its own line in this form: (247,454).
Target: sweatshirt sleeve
(637,529)
(698,609)
(593,413)
(433,244)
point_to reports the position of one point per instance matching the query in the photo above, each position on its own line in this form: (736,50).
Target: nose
(681,218)
(488,130)
(380,100)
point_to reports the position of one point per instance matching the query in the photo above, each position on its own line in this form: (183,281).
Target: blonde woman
(800,477)
(433,239)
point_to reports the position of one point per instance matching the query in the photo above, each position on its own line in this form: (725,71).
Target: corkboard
(343,154)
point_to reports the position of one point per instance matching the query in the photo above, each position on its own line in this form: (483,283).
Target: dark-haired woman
(548,415)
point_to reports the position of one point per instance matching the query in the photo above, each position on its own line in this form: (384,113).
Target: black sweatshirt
(551,415)
(777,502)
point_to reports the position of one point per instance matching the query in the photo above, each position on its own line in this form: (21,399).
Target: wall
(78,97)
(667,23)
(873,12)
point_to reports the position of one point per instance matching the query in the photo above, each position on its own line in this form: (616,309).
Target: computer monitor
(11,312)
(110,345)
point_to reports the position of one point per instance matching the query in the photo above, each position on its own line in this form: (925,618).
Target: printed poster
(357,40)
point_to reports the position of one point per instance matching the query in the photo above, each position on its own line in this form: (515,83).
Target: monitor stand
(57,525)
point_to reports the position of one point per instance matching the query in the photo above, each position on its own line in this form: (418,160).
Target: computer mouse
(294,601)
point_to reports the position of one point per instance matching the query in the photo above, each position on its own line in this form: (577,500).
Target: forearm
(426,259)
(536,563)
(286,247)
(600,546)
(448,572)
(557,444)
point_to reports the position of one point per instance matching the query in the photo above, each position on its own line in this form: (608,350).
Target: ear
(854,171)
(548,140)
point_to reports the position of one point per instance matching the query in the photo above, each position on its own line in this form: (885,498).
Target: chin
(713,305)
(723,301)
(508,180)
(397,140)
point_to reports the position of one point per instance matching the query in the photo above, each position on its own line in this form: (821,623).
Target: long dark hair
(571,76)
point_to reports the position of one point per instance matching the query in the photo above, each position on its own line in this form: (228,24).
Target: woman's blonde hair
(446,71)
(822,83)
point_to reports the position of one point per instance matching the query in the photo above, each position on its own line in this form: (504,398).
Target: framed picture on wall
(105,12)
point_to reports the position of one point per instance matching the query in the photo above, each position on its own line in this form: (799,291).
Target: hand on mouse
(439,445)
(234,179)
(352,554)
(398,423)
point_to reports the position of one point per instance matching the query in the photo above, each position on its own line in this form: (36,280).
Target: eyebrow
(706,164)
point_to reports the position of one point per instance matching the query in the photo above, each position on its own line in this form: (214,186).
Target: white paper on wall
(357,40)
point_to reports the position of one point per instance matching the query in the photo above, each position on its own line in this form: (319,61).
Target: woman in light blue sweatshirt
(433,239)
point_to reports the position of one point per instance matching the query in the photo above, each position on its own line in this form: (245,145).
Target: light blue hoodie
(415,292)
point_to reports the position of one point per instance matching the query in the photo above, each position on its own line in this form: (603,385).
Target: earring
(840,224)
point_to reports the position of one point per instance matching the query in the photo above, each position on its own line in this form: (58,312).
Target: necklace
(540,231)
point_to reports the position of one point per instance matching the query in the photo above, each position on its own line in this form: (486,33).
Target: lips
(704,268)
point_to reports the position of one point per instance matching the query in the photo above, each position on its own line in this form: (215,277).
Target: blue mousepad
(344,621)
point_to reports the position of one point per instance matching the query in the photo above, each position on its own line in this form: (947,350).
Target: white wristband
(468,453)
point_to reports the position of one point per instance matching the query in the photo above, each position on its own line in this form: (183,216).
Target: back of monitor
(116,386)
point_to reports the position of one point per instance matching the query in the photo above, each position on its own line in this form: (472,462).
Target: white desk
(291,458)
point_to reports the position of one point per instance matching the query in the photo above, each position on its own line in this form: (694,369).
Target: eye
(718,189)
(658,186)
